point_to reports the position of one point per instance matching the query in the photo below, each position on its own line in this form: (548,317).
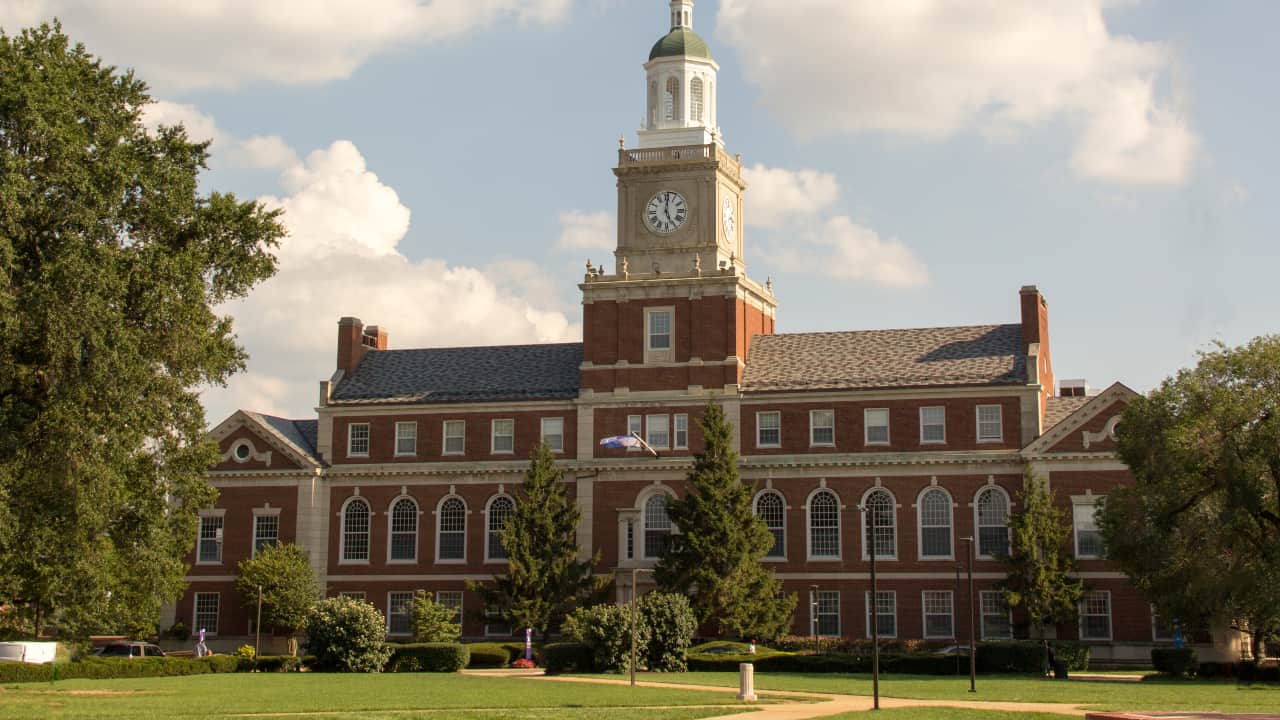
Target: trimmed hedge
(1010,657)
(428,657)
(273,663)
(1242,671)
(563,657)
(1178,662)
(106,668)
(489,655)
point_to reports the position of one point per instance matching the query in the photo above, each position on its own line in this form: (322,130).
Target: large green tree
(288,585)
(545,580)
(1199,531)
(715,559)
(111,266)
(1039,562)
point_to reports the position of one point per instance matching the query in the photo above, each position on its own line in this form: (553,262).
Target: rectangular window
(876,421)
(997,620)
(886,613)
(1088,536)
(827,612)
(769,429)
(358,440)
(451,599)
(352,594)
(659,431)
(206,612)
(990,423)
(1095,615)
(399,613)
(631,539)
(822,427)
(659,330)
(494,625)
(933,425)
(210,550)
(1161,627)
(504,437)
(406,438)
(681,439)
(635,428)
(455,437)
(266,532)
(553,433)
(938,614)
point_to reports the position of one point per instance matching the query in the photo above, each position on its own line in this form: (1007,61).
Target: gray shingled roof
(1058,409)
(299,433)
(967,355)
(470,374)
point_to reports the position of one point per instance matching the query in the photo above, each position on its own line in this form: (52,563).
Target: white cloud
(843,249)
(777,196)
(266,152)
(222,44)
(342,258)
(587,231)
(933,69)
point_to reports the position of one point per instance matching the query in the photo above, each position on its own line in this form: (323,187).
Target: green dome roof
(680,42)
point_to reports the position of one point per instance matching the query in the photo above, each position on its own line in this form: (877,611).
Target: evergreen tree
(289,588)
(715,559)
(1039,564)
(545,580)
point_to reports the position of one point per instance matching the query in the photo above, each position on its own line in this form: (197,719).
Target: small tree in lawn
(433,622)
(1039,565)
(716,557)
(289,588)
(347,635)
(545,580)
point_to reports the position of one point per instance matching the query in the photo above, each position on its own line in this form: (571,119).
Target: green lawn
(1096,694)
(318,696)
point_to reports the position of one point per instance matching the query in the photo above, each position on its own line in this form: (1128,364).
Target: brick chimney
(1035,341)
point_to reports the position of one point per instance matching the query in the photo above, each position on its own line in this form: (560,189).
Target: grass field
(317,696)
(1096,694)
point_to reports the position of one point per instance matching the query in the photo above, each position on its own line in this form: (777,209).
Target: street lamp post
(973,646)
(635,620)
(813,619)
(873,609)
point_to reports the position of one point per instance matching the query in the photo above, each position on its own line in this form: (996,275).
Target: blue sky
(445,166)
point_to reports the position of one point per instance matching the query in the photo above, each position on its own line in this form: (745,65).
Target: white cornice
(1078,419)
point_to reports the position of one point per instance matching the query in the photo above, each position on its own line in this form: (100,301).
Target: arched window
(880,503)
(824,525)
(501,508)
(451,529)
(653,101)
(992,508)
(772,509)
(657,526)
(935,524)
(355,530)
(404,530)
(695,100)
(671,99)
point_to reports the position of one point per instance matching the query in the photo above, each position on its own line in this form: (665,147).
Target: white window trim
(444,438)
(1080,615)
(417,529)
(641,552)
(220,513)
(493,436)
(660,355)
(893,500)
(368,438)
(342,531)
(635,424)
(866,427)
(497,615)
(263,512)
(870,608)
(808,528)
(409,609)
(814,614)
(943,441)
(812,427)
(436,541)
(924,616)
(1008,503)
(951,524)
(982,618)
(675,422)
(354,594)
(487,505)
(1155,632)
(195,604)
(414,425)
(647,430)
(755,509)
(761,414)
(543,432)
(977,423)
(461,602)
(1092,501)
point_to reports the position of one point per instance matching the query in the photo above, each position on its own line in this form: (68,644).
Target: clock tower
(679,311)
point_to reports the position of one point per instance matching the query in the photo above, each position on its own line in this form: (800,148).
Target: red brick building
(401,480)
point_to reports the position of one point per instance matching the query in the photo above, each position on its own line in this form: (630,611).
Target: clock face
(727,216)
(666,212)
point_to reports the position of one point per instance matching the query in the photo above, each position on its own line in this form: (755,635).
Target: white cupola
(680,87)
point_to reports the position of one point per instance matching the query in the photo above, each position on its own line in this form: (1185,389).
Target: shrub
(106,668)
(276,663)
(488,655)
(246,652)
(671,624)
(1075,654)
(347,635)
(1179,662)
(563,657)
(431,620)
(428,657)
(606,630)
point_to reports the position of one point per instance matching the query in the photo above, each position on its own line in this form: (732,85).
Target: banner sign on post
(528,644)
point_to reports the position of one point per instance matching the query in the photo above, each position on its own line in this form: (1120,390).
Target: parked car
(129,650)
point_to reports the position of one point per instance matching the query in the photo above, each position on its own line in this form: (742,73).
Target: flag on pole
(620,441)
